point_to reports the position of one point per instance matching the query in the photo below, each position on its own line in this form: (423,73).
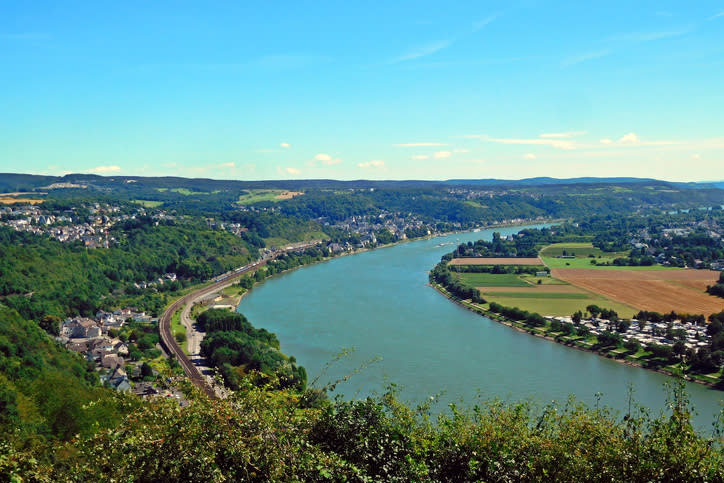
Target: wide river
(378,303)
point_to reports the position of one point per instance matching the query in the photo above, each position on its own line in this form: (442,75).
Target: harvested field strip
(496,261)
(660,291)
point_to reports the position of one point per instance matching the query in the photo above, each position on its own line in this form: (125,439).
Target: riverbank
(357,251)
(614,355)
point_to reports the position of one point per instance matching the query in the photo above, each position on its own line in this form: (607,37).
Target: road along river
(379,303)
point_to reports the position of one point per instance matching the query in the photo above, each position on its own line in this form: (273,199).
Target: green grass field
(149,203)
(492,280)
(183,191)
(536,294)
(544,304)
(578,249)
(256,196)
(586,263)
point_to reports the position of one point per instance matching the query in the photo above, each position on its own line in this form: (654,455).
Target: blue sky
(375,90)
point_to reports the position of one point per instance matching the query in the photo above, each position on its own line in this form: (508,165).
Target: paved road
(168,342)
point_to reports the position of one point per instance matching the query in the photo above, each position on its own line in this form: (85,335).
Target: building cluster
(692,335)
(67,225)
(97,340)
(368,225)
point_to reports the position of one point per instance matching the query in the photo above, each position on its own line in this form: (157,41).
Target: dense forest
(237,348)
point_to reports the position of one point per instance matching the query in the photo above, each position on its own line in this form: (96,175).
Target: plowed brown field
(656,290)
(495,261)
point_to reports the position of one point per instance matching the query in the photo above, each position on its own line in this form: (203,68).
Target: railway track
(168,342)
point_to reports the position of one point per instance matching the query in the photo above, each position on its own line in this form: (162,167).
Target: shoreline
(400,242)
(503,321)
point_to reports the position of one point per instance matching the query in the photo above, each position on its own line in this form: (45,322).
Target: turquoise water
(378,303)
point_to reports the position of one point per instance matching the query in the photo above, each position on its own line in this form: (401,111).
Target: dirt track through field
(656,290)
(541,289)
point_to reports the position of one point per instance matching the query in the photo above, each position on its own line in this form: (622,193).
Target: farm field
(584,254)
(256,196)
(492,280)
(560,306)
(655,290)
(495,261)
(560,299)
(8,200)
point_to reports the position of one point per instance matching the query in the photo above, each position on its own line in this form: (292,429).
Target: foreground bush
(259,435)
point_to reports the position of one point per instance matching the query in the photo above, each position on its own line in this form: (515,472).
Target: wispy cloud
(567,134)
(227,165)
(423,51)
(285,145)
(419,145)
(529,156)
(481,24)
(577,59)
(442,154)
(720,14)
(375,163)
(555,143)
(105,169)
(419,156)
(650,36)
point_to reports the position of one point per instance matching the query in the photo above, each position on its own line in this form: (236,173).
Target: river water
(405,333)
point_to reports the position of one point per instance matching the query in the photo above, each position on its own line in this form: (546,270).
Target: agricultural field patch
(496,261)
(148,203)
(553,305)
(655,290)
(491,280)
(577,249)
(8,200)
(259,195)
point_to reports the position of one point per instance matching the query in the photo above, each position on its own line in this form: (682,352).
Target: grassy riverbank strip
(589,343)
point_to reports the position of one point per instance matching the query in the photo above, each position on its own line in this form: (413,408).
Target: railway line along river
(378,302)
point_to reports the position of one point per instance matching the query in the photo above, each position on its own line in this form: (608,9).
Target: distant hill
(12,182)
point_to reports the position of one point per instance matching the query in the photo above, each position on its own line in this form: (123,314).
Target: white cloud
(105,169)
(288,170)
(461,150)
(285,145)
(529,156)
(423,51)
(720,14)
(419,156)
(169,165)
(630,138)
(606,141)
(442,154)
(375,163)
(696,156)
(326,159)
(227,165)
(567,134)
(419,145)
